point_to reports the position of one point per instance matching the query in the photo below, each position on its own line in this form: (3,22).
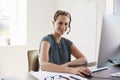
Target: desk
(103,73)
(106,73)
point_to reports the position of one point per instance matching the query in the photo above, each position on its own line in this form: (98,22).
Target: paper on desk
(116,74)
(41,75)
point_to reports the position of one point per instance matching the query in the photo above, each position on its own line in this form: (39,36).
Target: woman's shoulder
(47,38)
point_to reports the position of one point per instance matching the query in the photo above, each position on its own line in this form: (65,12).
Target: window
(109,7)
(12,22)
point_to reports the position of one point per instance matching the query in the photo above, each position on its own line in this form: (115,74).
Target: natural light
(12,22)
(109,7)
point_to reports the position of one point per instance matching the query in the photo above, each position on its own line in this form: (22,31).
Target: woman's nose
(63,27)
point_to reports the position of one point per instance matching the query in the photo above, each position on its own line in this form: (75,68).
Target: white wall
(100,12)
(13,59)
(117,7)
(39,20)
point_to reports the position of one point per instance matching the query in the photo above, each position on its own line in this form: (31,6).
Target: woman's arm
(47,66)
(80,58)
(44,60)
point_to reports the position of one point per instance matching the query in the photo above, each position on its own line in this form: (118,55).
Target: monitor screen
(109,51)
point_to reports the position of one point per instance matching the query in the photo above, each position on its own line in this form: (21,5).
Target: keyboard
(95,69)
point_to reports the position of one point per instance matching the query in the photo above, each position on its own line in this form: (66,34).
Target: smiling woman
(56,50)
(12,22)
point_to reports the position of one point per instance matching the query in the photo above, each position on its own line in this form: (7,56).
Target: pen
(74,78)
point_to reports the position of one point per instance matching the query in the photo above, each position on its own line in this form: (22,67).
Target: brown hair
(61,12)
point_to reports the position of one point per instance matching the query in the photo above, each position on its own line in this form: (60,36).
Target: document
(42,75)
(117,74)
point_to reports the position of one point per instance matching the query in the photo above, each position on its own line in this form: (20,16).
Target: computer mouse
(87,76)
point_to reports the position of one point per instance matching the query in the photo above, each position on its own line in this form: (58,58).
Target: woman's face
(61,24)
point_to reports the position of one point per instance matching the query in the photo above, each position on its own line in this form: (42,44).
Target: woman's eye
(60,23)
(66,24)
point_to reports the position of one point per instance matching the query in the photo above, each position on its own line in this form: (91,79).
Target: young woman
(56,51)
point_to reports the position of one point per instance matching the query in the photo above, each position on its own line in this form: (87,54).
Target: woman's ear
(53,22)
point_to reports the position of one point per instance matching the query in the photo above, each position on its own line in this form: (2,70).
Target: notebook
(41,75)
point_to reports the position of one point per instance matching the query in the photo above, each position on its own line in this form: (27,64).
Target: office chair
(33,64)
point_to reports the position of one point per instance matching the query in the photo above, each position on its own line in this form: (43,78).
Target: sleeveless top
(59,53)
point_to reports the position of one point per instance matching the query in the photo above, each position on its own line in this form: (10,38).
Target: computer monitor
(109,51)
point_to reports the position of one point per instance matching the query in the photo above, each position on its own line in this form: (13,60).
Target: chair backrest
(33,63)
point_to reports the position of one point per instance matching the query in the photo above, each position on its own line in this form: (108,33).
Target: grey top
(59,53)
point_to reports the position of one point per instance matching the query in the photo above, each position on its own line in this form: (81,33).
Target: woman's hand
(80,71)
